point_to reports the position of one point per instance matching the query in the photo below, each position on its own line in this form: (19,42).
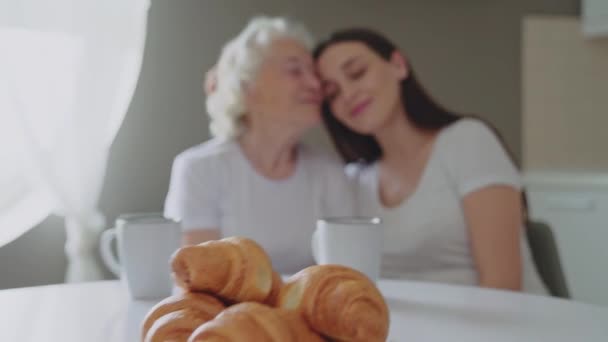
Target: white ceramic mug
(355,242)
(145,244)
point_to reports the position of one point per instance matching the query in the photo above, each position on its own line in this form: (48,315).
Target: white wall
(466,52)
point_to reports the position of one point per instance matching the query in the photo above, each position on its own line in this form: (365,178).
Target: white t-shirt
(426,236)
(213,185)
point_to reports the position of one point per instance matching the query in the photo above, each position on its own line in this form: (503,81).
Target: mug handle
(314,245)
(105,248)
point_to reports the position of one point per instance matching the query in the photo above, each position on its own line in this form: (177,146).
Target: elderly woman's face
(286,90)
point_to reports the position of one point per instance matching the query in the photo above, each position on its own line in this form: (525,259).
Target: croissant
(235,269)
(277,284)
(300,330)
(204,305)
(255,322)
(176,326)
(338,302)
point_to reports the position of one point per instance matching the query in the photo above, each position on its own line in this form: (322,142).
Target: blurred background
(524,65)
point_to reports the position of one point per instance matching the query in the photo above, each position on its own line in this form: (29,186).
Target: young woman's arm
(494,219)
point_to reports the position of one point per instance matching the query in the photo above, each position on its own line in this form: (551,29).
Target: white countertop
(102,311)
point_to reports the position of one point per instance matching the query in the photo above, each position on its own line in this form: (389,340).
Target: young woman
(449,195)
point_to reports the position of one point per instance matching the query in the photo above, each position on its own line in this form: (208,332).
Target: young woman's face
(362,89)
(286,90)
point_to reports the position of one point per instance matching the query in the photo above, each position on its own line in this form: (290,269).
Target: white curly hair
(239,63)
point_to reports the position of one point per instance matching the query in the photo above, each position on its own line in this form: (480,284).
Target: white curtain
(68,69)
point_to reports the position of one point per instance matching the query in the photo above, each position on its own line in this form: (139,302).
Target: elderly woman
(255,178)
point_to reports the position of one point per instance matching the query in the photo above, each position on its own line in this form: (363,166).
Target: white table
(102,312)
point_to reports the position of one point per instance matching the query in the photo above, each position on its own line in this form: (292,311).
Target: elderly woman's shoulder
(207,152)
